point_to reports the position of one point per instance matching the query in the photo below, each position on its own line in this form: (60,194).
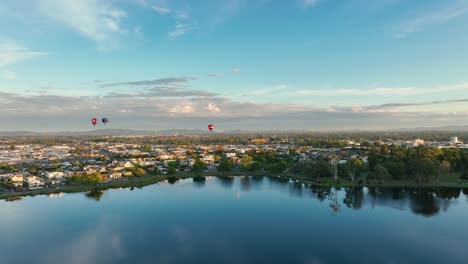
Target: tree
(381,172)
(373,159)
(146,148)
(420,167)
(278,167)
(396,168)
(12,147)
(225,165)
(322,169)
(444,168)
(199,166)
(255,166)
(246,161)
(171,171)
(354,164)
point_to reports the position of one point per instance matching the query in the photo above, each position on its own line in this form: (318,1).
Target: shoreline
(138,182)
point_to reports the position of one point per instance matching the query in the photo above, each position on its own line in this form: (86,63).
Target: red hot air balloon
(210,127)
(94,121)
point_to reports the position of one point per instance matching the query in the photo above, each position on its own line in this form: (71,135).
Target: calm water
(243,220)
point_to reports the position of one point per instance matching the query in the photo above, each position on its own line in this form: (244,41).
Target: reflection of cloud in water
(238,195)
(99,245)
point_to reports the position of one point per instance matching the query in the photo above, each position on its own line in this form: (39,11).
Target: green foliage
(255,166)
(5,167)
(246,162)
(199,166)
(420,167)
(225,165)
(278,167)
(87,179)
(146,148)
(137,172)
(397,169)
(373,159)
(171,171)
(172,164)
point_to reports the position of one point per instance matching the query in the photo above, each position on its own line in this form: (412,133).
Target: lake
(237,220)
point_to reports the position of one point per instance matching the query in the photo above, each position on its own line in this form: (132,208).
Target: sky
(239,64)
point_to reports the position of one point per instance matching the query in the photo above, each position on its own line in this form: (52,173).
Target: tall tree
(246,161)
(354,164)
(373,159)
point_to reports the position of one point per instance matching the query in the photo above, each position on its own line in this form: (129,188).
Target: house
(35,182)
(128,164)
(208,159)
(55,175)
(17,178)
(115,175)
(231,155)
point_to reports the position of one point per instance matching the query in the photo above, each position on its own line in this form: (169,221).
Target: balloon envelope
(105,120)
(210,127)
(94,121)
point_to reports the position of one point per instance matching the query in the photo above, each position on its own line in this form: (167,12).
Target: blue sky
(265,64)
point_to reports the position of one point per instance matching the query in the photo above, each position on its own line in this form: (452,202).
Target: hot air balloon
(94,121)
(210,127)
(105,120)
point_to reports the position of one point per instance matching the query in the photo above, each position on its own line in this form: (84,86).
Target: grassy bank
(452,181)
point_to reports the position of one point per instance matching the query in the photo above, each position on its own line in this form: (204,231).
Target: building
(55,175)
(35,182)
(454,141)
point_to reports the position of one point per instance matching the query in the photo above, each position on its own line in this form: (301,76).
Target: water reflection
(354,197)
(276,221)
(296,189)
(199,181)
(226,182)
(246,183)
(94,195)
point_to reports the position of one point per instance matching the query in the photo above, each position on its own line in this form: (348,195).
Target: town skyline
(241,65)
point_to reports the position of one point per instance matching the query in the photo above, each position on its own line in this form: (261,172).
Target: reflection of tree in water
(424,202)
(321,192)
(448,193)
(172,179)
(334,204)
(199,181)
(354,197)
(94,195)
(246,183)
(226,182)
(296,189)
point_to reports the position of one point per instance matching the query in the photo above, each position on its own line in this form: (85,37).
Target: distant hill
(130,132)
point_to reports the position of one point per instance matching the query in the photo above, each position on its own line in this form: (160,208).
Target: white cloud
(182,26)
(213,108)
(183,108)
(385,91)
(438,16)
(236,70)
(161,10)
(179,30)
(94,19)
(9,75)
(11,52)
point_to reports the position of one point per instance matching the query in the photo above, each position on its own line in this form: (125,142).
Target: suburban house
(55,175)
(35,182)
